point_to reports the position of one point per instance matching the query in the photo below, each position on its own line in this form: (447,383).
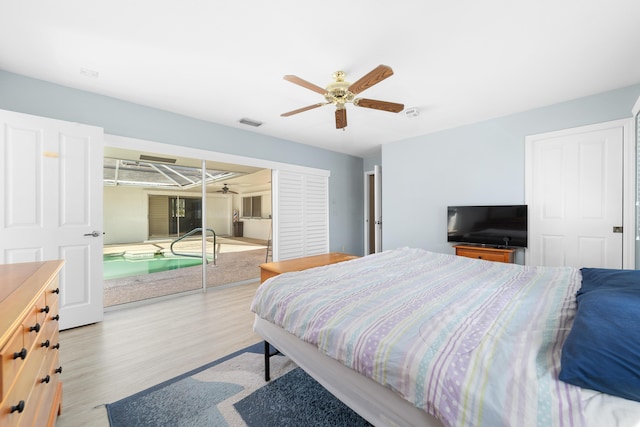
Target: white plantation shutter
(288,213)
(300,214)
(316,215)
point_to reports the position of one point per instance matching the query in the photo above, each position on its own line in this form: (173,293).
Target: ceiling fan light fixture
(339,92)
(250,122)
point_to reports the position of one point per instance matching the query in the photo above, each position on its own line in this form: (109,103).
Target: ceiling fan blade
(341,118)
(297,80)
(378,105)
(300,110)
(373,77)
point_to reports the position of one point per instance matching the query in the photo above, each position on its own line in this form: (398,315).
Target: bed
(409,337)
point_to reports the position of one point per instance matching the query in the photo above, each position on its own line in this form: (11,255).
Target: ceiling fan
(225,190)
(341,92)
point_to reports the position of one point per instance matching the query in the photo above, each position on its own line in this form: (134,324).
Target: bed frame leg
(267,356)
(267,367)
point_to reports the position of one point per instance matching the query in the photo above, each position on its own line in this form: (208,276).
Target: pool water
(117,267)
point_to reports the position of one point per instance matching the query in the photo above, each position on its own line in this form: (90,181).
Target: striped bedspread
(472,342)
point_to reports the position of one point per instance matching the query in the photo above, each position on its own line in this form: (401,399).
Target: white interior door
(51,190)
(575,197)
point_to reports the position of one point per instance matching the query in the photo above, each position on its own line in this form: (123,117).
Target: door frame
(368,199)
(372,198)
(628,178)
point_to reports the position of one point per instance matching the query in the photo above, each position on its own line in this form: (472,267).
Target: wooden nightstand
(487,254)
(270,269)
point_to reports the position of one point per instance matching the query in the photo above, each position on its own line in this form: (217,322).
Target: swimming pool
(119,266)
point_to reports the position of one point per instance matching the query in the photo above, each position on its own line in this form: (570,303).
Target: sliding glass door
(161,216)
(148,206)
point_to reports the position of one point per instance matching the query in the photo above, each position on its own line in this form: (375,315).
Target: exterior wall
(256,228)
(126,213)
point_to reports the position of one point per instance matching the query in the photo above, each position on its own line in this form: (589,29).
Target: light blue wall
(372,160)
(117,117)
(482,163)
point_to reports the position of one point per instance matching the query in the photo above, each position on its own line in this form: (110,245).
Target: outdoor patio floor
(237,261)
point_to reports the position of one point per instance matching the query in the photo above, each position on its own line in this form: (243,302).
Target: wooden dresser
(30,386)
(270,269)
(485,253)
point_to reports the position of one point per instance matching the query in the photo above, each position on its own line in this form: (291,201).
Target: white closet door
(300,214)
(51,195)
(575,187)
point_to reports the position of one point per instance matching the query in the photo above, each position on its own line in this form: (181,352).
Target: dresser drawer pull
(56,317)
(35,328)
(45,344)
(59,370)
(56,291)
(22,354)
(19,407)
(45,379)
(56,347)
(45,309)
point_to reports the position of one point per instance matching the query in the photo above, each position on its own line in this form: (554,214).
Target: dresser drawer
(21,393)
(32,326)
(12,361)
(487,254)
(41,309)
(51,323)
(52,291)
(46,385)
(13,410)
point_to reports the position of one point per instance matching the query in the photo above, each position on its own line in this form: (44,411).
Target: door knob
(94,234)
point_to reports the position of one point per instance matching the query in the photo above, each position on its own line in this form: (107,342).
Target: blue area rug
(231,392)
(296,399)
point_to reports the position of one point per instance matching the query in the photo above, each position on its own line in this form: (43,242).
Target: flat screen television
(503,225)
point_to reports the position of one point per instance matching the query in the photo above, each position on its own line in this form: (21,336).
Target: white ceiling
(457,62)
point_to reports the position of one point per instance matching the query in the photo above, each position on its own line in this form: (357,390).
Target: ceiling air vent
(250,122)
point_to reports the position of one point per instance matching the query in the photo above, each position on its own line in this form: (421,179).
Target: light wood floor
(136,348)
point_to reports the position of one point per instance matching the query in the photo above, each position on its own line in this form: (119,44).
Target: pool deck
(238,260)
(190,245)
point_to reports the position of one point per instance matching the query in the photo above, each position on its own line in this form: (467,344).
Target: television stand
(486,253)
